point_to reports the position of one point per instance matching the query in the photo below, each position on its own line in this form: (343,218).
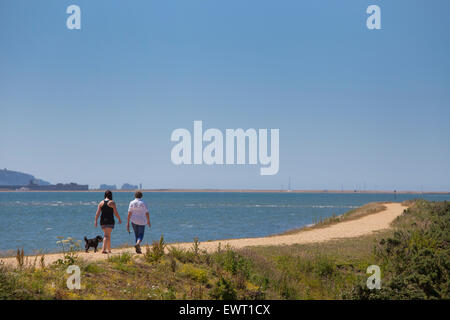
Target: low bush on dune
(224,290)
(416,258)
(156,251)
(194,273)
(7,285)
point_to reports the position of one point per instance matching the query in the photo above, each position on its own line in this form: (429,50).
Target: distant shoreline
(250,191)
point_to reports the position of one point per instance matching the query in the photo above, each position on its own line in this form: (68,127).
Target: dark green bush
(224,290)
(415,261)
(233,262)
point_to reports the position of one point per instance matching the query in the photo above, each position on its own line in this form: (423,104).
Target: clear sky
(355,107)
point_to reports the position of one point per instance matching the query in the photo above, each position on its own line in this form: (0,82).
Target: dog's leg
(95,249)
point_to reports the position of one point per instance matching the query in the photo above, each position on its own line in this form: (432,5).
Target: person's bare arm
(148,219)
(112,204)
(128,221)
(97,214)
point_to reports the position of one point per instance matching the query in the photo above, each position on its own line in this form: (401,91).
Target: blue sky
(355,107)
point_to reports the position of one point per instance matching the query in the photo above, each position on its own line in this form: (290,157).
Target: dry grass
(325,270)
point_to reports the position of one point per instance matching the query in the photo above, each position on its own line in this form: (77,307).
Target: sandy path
(346,229)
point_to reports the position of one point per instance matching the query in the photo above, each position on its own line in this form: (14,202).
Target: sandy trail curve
(346,229)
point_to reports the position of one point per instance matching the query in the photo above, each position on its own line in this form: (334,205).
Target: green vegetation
(156,252)
(413,257)
(416,258)
(70,249)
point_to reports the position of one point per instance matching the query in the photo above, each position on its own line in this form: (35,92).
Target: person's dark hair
(108,194)
(138,194)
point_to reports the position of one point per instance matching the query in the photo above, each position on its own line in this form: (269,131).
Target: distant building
(108,187)
(60,187)
(127,186)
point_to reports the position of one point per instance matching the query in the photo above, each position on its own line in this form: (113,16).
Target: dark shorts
(107,226)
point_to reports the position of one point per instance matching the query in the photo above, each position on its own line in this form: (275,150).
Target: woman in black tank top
(107,216)
(107,210)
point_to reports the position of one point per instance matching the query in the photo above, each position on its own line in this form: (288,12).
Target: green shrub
(196,246)
(6,283)
(184,256)
(324,266)
(156,252)
(192,255)
(224,290)
(196,274)
(70,248)
(233,262)
(173,264)
(93,268)
(124,257)
(415,261)
(286,288)
(11,286)
(170,294)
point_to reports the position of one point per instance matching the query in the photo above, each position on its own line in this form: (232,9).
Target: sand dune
(346,229)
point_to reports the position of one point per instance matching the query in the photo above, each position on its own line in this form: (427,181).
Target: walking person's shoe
(138,249)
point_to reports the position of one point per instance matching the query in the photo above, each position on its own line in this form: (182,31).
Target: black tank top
(107,217)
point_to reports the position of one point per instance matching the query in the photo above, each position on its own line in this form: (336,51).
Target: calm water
(33,221)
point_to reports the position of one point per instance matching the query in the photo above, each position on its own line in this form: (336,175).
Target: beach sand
(345,229)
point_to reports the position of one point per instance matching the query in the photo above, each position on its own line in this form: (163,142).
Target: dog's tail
(85,239)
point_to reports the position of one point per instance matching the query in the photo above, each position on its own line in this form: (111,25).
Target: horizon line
(244,190)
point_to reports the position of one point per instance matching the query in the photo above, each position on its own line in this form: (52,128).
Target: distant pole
(289,188)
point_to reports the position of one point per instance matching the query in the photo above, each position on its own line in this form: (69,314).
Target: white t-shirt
(138,209)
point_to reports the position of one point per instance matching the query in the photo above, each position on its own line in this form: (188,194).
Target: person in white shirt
(139,216)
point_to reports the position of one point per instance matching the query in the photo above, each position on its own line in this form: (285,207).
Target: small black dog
(92,243)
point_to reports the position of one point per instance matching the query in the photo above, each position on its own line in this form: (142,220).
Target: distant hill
(15,178)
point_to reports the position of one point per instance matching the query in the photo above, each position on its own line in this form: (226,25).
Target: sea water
(34,220)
